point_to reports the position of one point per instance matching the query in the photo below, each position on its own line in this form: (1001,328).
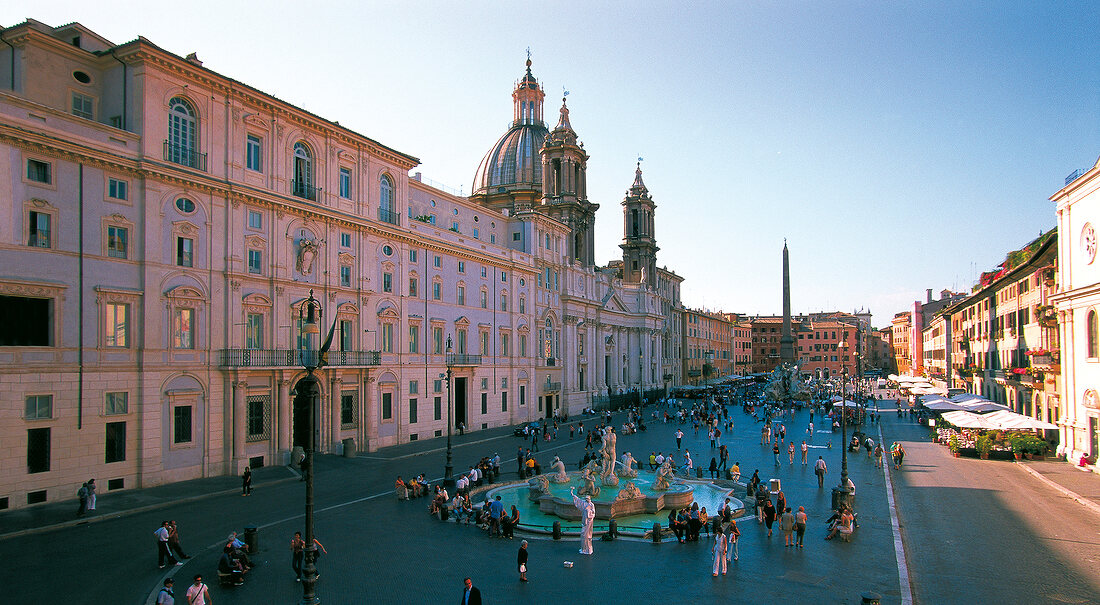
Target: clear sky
(897,146)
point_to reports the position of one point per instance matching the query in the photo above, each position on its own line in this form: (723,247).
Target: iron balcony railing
(551,387)
(389,216)
(184,156)
(304,190)
(462,359)
(282,358)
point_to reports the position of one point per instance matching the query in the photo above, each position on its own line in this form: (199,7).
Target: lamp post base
(843,496)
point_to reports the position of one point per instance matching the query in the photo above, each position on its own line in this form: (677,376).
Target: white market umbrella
(1006,419)
(968,420)
(983,406)
(945,406)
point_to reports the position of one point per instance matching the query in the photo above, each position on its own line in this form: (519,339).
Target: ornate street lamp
(448,471)
(842,494)
(309,314)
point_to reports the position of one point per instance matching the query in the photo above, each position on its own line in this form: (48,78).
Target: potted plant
(983,444)
(1018,446)
(953,445)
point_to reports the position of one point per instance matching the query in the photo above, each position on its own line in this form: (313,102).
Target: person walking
(82,494)
(521,560)
(719,550)
(775,452)
(174,545)
(800,525)
(786,525)
(790,452)
(878,455)
(166,596)
(769,515)
(713,468)
(805,448)
(297,555)
(91,494)
(163,554)
(198,593)
(820,469)
(732,535)
(246,482)
(470,594)
(679,437)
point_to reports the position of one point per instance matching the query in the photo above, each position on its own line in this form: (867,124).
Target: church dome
(513,162)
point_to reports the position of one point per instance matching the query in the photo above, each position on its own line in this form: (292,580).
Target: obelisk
(786,341)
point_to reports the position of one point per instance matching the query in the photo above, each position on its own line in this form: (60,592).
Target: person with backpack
(166,596)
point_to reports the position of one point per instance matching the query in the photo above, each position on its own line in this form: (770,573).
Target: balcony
(389,216)
(462,359)
(293,358)
(551,387)
(184,156)
(304,190)
(551,362)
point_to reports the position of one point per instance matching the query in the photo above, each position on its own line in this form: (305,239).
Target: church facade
(165,225)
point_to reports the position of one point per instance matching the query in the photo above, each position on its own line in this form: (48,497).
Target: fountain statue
(559,475)
(539,486)
(629,492)
(588,475)
(664,477)
(785,385)
(626,469)
(607,465)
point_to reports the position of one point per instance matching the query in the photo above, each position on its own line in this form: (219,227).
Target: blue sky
(897,146)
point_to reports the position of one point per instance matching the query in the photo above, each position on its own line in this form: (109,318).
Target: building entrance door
(1094,437)
(460,401)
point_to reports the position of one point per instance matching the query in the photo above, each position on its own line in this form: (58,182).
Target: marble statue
(629,492)
(307,254)
(588,515)
(539,486)
(590,488)
(559,475)
(627,467)
(607,466)
(664,477)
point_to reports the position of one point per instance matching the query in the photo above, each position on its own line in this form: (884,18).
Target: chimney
(928,293)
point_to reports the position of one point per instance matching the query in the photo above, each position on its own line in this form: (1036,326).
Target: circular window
(81,77)
(185,205)
(455,211)
(476,219)
(432,202)
(387,250)
(493,224)
(522,282)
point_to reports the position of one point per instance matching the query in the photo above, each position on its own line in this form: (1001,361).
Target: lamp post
(309,313)
(842,494)
(448,470)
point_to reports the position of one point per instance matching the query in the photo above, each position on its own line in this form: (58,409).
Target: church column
(239,414)
(334,417)
(283,421)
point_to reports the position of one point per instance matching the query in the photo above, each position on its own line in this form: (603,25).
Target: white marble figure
(559,475)
(307,253)
(607,472)
(588,515)
(664,477)
(629,492)
(626,469)
(588,475)
(719,550)
(539,485)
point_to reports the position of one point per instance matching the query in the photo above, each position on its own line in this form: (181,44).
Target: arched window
(302,185)
(386,212)
(548,340)
(1094,336)
(182,142)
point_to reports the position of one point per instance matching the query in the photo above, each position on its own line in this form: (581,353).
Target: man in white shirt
(660,459)
(198,593)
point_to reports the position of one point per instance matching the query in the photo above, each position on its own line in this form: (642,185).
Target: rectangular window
(461,298)
(387,282)
(181,424)
(254,153)
(515,236)
(345,276)
(115,443)
(412,287)
(504,401)
(387,338)
(345,183)
(255,261)
(461,336)
(412,410)
(504,276)
(412,256)
(484,300)
(116,404)
(38,229)
(484,384)
(256,418)
(185,252)
(346,334)
(523,394)
(255,220)
(437,262)
(437,386)
(35,325)
(477,234)
(485,343)
(483,271)
(82,106)
(183,328)
(484,403)
(345,240)
(504,345)
(503,302)
(522,305)
(254,331)
(347,409)
(39,171)
(38,450)
(39,407)
(437,403)
(414,339)
(436,291)
(387,406)
(454,226)
(116,325)
(437,342)
(117,238)
(523,345)
(461,266)
(117,189)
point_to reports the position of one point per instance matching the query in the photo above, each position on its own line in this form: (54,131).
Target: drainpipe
(124,87)
(80,304)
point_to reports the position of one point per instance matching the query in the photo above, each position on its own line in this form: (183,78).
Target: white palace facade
(163,225)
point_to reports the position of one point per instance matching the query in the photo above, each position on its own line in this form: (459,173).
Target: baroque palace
(166,223)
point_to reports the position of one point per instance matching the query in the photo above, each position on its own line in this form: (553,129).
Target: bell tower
(639,242)
(564,195)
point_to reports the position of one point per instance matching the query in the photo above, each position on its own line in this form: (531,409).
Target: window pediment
(346,258)
(388,312)
(347,308)
(254,120)
(462,322)
(256,302)
(254,241)
(186,228)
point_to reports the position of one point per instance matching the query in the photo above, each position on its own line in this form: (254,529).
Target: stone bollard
(656,533)
(699,473)
(252,539)
(870,598)
(613,529)
(349,447)
(557,530)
